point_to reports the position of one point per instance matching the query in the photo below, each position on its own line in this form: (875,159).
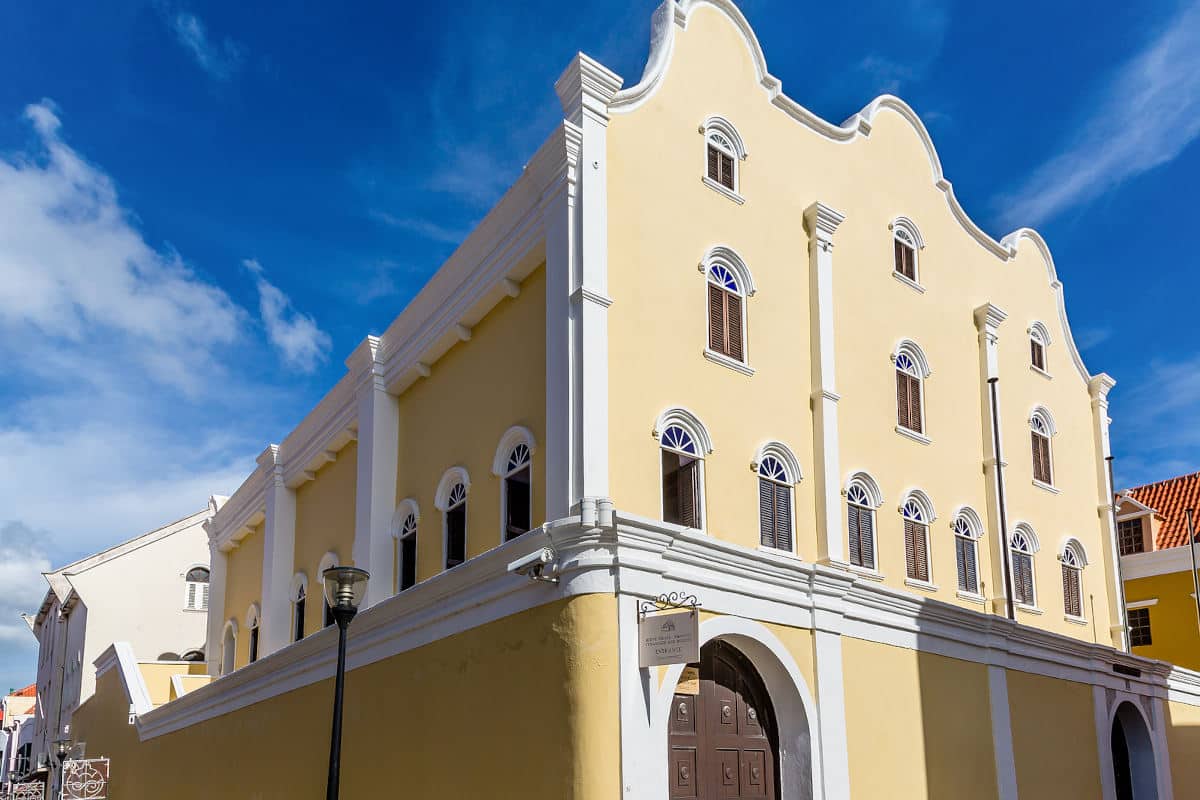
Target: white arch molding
(517,434)
(795,709)
(405,507)
(785,456)
(1148,758)
(328,561)
(689,422)
(729,258)
(869,485)
(718,124)
(451,478)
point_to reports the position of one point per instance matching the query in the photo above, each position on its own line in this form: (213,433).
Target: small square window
(1139,627)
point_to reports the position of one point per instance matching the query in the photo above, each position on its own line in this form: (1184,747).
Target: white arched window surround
(1023,545)
(723,268)
(680,431)
(513,455)
(328,561)
(722,136)
(403,528)
(1041,424)
(863,498)
(906,232)
(229,646)
(1073,558)
(253,617)
(298,595)
(406,508)
(968,530)
(786,457)
(1039,341)
(299,587)
(908,359)
(778,472)
(916,507)
(452,492)
(451,478)
(196,587)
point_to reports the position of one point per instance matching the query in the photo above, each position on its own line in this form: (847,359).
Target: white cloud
(296,335)
(1148,113)
(1154,430)
(220,60)
(23,559)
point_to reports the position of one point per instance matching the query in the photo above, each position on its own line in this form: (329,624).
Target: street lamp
(344,591)
(61,747)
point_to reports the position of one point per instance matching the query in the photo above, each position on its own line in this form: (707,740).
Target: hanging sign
(85,779)
(669,637)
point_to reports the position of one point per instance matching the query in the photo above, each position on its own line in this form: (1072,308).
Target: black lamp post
(61,747)
(344,591)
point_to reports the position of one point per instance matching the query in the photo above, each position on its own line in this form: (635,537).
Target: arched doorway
(1132,755)
(724,741)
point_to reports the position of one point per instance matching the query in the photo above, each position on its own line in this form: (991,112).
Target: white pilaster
(987,322)
(1162,753)
(831,715)
(1006,765)
(821,222)
(218,567)
(1099,387)
(279,556)
(375,488)
(585,89)
(1108,787)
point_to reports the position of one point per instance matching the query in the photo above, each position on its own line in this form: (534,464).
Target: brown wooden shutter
(1041,457)
(866,536)
(783,517)
(688,500)
(670,488)
(766,513)
(1071,591)
(716,318)
(852,522)
(733,325)
(921,548)
(726,171)
(902,399)
(914,404)
(899,255)
(714,163)
(910,548)
(1037,354)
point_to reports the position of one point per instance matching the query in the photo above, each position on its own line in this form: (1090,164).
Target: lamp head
(345,588)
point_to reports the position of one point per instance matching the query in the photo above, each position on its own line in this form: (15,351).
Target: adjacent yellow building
(708,344)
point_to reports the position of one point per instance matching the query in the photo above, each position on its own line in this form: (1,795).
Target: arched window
(967,530)
(777,473)
(451,500)
(911,371)
(1022,545)
(196,589)
(229,647)
(513,464)
(723,149)
(1041,428)
(252,620)
(862,498)
(1039,340)
(906,242)
(328,561)
(725,320)
(917,514)
(406,545)
(299,597)
(1072,579)
(682,485)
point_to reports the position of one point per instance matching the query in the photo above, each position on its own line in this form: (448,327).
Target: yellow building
(708,344)
(1157,567)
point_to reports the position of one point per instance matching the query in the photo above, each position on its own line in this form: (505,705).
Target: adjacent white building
(151,591)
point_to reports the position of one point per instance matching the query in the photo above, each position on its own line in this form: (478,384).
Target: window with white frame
(917,516)
(252,620)
(1138,620)
(723,150)
(328,561)
(518,492)
(726,318)
(906,242)
(1039,340)
(1129,536)
(911,371)
(1041,429)
(966,551)
(1022,546)
(860,523)
(456,526)
(196,589)
(299,598)
(682,477)
(406,553)
(1072,579)
(775,503)
(229,647)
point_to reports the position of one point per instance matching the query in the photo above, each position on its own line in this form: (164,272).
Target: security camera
(535,565)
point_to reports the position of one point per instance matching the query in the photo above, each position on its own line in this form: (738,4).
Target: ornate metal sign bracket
(666,602)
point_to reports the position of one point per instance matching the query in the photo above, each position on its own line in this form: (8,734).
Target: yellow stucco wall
(657,325)
(520,708)
(157,676)
(1053,738)
(243,580)
(456,417)
(1183,741)
(917,725)
(325,509)
(1173,628)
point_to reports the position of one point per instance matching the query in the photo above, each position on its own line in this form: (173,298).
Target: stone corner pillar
(279,555)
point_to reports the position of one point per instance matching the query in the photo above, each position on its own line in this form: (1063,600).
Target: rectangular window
(720,167)
(254,644)
(1022,575)
(916,553)
(1139,627)
(681,489)
(906,260)
(1072,596)
(908,402)
(408,561)
(861,524)
(1037,354)
(517,502)
(968,570)
(1041,458)
(1129,536)
(456,535)
(724,322)
(774,514)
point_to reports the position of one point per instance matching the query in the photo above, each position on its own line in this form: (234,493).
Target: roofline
(120,549)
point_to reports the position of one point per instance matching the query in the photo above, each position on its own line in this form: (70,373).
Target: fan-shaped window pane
(676,438)
(198,575)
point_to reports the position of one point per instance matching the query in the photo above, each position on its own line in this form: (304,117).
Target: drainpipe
(1112,493)
(1192,550)
(1008,588)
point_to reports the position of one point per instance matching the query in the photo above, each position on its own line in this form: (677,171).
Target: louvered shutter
(1046,460)
(902,399)
(1071,592)
(1026,583)
(960,557)
(899,256)
(766,513)
(783,517)
(968,571)
(1037,354)
(921,542)
(671,510)
(191,595)
(714,163)
(733,325)
(915,557)
(852,522)
(726,171)
(1041,457)
(687,495)
(914,404)
(204,595)
(866,536)
(716,318)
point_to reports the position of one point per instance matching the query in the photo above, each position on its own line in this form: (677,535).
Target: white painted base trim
(909,282)
(916,437)
(732,195)
(1047,487)
(726,361)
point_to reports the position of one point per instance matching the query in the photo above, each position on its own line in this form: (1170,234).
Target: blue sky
(205,206)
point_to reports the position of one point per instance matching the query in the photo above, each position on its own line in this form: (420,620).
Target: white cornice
(1156,562)
(586,85)
(988,317)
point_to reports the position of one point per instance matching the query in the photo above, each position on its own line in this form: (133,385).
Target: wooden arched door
(724,742)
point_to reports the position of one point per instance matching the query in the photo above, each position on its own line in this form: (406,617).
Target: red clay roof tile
(1171,498)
